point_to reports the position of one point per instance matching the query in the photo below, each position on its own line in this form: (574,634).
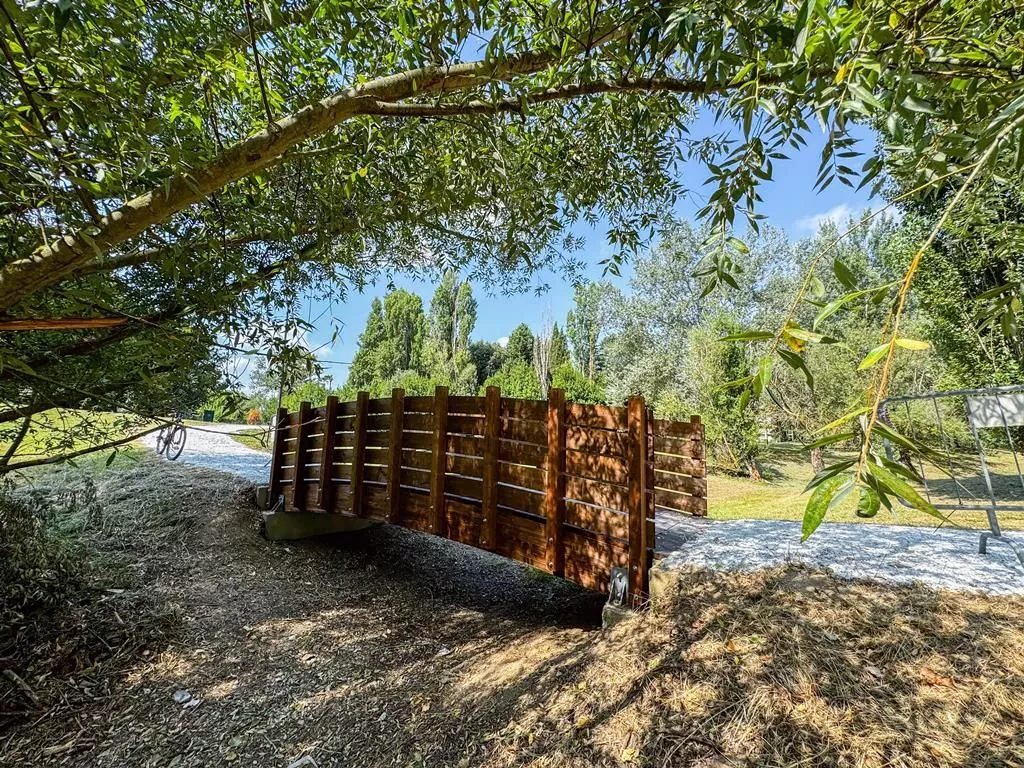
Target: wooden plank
(415,478)
(489,490)
(694,486)
(415,506)
(325,498)
(420,440)
(395,462)
(438,461)
(525,431)
(359,454)
(378,422)
(604,521)
(378,439)
(341,498)
(375,501)
(523,453)
(521,538)
(419,404)
(598,416)
(303,425)
(415,459)
(596,493)
(379,405)
(466,487)
(678,502)
(469,466)
(601,441)
(378,455)
(596,467)
(520,499)
(459,424)
(513,408)
(375,474)
(277,453)
(691,429)
(589,559)
(523,476)
(467,446)
(469,405)
(680,465)
(462,521)
(554,496)
(344,440)
(347,408)
(418,422)
(679,446)
(637,503)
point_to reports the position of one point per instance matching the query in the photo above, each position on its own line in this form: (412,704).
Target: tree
(559,348)
(516,379)
(189,174)
(586,324)
(542,358)
(520,344)
(367,368)
(578,388)
(488,357)
(404,333)
(450,323)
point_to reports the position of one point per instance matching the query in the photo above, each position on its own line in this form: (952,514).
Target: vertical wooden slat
(277,455)
(638,544)
(492,422)
(301,442)
(554,498)
(325,493)
(437,467)
(395,460)
(359,453)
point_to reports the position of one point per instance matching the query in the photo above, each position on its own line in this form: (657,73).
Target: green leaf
(825,496)
(913,344)
(843,274)
(821,442)
(868,503)
(797,363)
(748,336)
(873,357)
(901,488)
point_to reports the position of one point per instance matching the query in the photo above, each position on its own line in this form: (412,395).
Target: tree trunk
(817,460)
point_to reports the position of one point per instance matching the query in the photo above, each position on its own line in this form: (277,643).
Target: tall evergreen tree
(449,326)
(366,369)
(587,323)
(405,328)
(520,345)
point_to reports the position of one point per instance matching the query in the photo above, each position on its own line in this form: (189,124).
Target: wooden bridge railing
(565,487)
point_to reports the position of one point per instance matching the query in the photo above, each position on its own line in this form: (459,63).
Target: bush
(39,562)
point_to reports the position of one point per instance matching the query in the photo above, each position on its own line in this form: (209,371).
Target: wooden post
(277,454)
(301,441)
(638,480)
(395,460)
(489,506)
(325,496)
(439,461)
(359,452)
(554,497)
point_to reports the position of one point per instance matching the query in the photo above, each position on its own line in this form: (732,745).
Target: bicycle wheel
(161,440)
(176,442)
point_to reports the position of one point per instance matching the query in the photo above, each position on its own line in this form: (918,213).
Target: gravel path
(212,447)
(898,554)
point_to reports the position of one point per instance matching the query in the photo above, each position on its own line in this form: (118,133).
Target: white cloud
(838,214)
(503,341)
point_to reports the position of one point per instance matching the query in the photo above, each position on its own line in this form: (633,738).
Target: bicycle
(170,440)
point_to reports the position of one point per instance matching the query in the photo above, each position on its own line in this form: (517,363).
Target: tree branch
(5,468)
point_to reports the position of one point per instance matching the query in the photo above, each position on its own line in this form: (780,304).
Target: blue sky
(790,203)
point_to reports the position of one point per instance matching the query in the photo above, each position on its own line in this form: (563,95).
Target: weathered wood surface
(569,488)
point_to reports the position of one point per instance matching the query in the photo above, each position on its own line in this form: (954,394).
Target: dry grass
(391,648)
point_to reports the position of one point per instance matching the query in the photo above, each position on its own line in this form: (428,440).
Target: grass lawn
(255,438)
(788,470)
(56,432)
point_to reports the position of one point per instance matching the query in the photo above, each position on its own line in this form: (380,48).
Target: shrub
(40,563)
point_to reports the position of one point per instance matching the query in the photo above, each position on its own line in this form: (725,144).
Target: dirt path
(357,651)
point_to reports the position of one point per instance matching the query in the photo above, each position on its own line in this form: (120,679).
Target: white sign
(996,410)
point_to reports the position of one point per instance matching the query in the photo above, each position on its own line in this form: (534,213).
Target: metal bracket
(618,588)
(983,544)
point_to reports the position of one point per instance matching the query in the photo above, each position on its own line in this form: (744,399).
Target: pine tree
(520,345)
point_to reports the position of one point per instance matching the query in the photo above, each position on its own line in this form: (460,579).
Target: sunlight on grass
(781,496)
(57,432)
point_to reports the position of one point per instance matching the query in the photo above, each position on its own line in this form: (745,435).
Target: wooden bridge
(568,488)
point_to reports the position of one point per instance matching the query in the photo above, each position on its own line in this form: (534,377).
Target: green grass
(253,438)
(781,496)
(57,432)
